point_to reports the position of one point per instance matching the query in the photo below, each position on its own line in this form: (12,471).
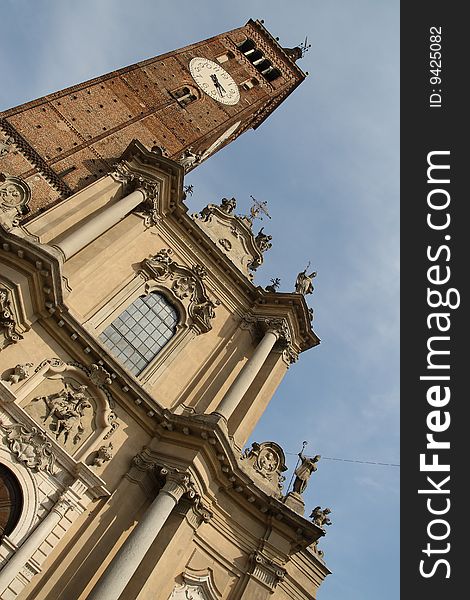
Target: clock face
(214,81)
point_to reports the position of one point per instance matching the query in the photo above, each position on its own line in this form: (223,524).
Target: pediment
(233,235)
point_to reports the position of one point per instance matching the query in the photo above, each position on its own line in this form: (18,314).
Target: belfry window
(247,46)
(258,60)
(184,96)
(141,331)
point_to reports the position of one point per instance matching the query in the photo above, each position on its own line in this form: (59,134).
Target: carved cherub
(20,372)
(319,516)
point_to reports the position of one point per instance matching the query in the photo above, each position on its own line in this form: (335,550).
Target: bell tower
(190,102)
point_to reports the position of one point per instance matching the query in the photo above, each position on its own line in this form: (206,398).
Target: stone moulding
(196,587)
(185,283)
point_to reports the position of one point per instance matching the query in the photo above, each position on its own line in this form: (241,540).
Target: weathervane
(305,47)
(257,208)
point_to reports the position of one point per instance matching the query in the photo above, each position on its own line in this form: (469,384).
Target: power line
(351,460)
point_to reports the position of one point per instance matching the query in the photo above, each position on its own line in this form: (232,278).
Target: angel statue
(320,517)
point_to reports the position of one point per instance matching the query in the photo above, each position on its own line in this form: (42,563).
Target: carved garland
(8,325)
(186,284)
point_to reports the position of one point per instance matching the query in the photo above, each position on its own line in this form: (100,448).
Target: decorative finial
(257,208)
(305,47)
(275,283)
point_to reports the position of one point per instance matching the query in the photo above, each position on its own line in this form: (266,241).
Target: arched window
(11,501)
(141,331)
(184,96)
(247,46)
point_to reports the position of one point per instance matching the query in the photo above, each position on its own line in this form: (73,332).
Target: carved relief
(268,460)
(30,446)
(186,284)
(73,410)
(195,587)
(65,413)
(99,376)
(15,195)
(189,159)
(9,333)
(233,234)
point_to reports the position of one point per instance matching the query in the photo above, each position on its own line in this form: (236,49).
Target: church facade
(136,353)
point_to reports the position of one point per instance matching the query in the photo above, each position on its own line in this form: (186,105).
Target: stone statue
(103,454)
(20,372)
(303,472)
(319,516)
(228,206)
(263,241)
(188,159)
(303,283)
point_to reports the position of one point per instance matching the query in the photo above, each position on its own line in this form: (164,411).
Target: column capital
(256,323)
(177,483)
(194,511)
(63,505)
(150,190)
(266,570)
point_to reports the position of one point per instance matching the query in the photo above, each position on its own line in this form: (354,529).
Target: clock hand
(218,86)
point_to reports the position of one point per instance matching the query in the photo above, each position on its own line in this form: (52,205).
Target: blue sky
(327,163)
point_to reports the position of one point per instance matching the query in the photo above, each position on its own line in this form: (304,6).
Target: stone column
(123,566)
(99,224)
(247,375)
(32,543)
